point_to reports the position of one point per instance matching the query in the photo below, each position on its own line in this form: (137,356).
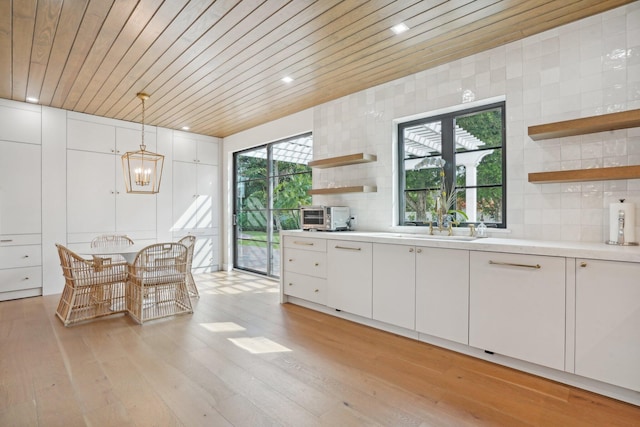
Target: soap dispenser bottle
(481,230)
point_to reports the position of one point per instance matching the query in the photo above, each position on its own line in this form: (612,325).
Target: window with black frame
(455,164)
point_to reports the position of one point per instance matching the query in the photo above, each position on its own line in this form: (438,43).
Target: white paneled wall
(586,68)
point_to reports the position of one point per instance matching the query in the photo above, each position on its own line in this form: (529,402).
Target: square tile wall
(590,67)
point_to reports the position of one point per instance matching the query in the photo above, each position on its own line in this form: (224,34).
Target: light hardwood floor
(243,359)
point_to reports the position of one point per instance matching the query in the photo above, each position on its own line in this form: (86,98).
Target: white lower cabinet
(20,266)
(349,276)
(394,284)
(607,332)
(305,268)
(442,293)
(517,306)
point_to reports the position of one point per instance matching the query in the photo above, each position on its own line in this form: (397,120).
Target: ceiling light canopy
(142,169)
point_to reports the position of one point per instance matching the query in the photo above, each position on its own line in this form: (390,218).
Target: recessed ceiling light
(400,28)
(32,99)
(185,128)
(287,79)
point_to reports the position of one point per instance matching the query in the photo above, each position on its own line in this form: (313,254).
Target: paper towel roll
(629,210)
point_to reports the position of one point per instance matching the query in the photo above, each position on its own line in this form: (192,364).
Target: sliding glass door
(271,183)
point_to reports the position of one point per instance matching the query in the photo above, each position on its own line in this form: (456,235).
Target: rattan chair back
(110,241)
(158,282)
(190,242)
(91,289)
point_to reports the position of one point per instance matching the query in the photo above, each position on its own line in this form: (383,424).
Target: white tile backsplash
(589,67)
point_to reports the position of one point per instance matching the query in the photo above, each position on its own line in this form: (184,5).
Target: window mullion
(449,150)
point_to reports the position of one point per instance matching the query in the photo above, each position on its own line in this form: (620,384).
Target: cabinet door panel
(20,188)
(442,293)
(518,310)
(184,149)
(394,289)
(90,192)
(184,196)
(607,322)
(134,212)
(205,254)
(89,136)
(208,152)
(206,204)
(349,276)
(130,140)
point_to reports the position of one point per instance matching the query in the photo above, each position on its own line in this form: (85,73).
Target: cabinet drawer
(310,263)
(19,239)
(305,287)
(20,256)
(15,279)
(517,306)
(306,243)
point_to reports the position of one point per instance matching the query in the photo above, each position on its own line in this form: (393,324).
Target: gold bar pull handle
(348,248)
(511,264)
(296,242)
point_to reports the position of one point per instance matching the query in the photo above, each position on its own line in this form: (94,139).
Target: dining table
(128,252)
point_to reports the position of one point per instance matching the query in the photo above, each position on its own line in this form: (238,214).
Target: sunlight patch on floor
(222,327)
(259,345)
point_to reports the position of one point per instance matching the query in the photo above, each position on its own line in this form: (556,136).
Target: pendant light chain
(143,147)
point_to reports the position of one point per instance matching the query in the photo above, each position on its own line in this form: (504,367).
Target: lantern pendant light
(142,169)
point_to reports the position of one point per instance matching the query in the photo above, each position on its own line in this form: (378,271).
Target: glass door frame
(269,206)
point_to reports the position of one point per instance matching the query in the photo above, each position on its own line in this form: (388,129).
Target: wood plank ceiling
(216,66)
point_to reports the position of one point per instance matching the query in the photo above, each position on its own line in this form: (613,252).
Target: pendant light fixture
(142,169)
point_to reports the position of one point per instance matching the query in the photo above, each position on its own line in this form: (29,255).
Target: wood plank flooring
(243,359)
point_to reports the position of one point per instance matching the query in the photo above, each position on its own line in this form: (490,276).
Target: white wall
(586,68)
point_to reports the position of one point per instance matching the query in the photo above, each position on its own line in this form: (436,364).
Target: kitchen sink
(428,236)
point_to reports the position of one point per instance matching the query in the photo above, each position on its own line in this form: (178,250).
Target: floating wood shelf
(605,122)
(340,190)
(599,174)
(351,159)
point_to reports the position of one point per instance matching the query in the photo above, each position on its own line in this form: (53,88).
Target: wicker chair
(110,241)
(158,282)
(92,288)
(189,242)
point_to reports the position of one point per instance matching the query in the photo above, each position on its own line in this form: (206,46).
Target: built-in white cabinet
(195,205)
(394,284)
(191,149)
(20,266)
(20,217)
(20,188)
(304,268)
(517,306)
(607,335)
(196,197)
(88,135)
(97,202)
(349,276)
(442,293)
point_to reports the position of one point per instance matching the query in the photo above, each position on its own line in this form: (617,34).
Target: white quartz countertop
(491,244)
